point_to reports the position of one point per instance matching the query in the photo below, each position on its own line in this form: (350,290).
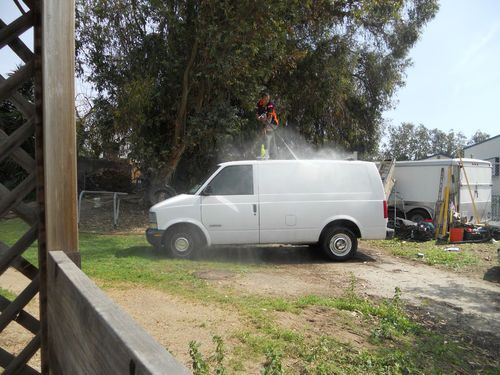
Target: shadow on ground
(483,303)
(493,275)
(250,254)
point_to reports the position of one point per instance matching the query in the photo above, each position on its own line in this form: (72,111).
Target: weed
(200,366)
(394,321)
(351,290)
(219,356)
(273,365)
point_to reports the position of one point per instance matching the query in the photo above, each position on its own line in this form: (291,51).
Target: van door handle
(254,209)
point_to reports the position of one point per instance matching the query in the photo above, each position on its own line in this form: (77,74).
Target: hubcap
(340,244)
(181,244)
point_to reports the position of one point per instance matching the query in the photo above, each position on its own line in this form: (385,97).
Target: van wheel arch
(342,224)
(197,234)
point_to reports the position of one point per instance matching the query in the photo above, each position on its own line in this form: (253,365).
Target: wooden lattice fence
(14,199)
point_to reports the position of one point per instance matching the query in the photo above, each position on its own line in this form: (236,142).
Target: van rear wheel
(181,243)
(339,243)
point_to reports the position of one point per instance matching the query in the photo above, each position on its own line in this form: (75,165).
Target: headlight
(152,220)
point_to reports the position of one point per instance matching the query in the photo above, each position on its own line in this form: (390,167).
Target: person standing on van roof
(266,114)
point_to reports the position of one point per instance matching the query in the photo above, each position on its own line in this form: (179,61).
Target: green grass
(117,259)
(395,343)
(470,255)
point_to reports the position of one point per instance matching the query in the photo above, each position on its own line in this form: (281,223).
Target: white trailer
(416,188)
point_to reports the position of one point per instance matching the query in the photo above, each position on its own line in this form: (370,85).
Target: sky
(454,82)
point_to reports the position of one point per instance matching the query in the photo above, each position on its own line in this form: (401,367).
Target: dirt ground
(457,304)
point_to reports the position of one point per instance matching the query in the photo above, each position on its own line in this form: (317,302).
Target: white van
(325,202)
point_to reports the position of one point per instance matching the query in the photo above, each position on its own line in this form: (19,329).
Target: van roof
(254,162)
(445,162)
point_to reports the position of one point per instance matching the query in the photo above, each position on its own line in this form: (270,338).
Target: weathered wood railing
(89,334)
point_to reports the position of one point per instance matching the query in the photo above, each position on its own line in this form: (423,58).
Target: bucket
(456,234)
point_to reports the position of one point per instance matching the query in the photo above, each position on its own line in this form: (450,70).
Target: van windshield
(195,187)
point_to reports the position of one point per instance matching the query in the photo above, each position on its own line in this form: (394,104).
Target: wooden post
(55,142)
(59,138)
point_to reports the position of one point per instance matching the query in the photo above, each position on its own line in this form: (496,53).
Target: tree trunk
(159,187)
(180,121)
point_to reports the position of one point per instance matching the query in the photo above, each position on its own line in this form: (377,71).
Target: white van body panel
(298,199)
(291,201)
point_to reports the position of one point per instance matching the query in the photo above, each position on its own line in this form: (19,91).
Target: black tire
(418,215)
(181,242)
(314,246)
(339,243)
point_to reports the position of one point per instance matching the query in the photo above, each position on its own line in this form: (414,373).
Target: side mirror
(207,191)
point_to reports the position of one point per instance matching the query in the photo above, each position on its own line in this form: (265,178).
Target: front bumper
(154,237)
(389,233)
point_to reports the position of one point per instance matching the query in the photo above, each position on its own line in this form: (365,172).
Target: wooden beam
(36,7)
(20,156)
(16,195)
(23,105)
(19,303)
(20,264)
(18,248)
(16,139)
(12,83)
(24,318)
(24,211)
(15,28)
(89,334)
(24,356)
(19,47)
(59,133)
(6,358)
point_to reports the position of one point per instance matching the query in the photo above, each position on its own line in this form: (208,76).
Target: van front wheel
(339,243)
(181,243)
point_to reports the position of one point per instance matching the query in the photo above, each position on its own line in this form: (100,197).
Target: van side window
(233,180)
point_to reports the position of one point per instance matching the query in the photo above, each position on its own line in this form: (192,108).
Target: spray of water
(291,145)
(305,150)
